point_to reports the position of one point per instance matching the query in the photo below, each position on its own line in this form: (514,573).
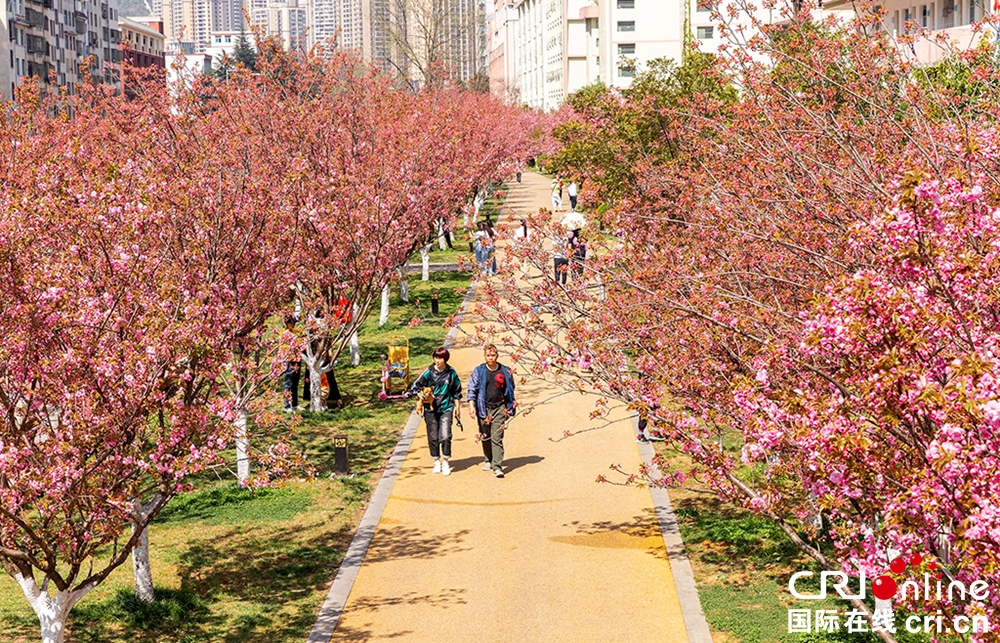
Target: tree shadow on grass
(262,564)
(721,535)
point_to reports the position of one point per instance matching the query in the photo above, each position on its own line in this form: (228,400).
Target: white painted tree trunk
(440,231)
(425,261)
(142,572)
(355,347)
(242,459)
(383,315)
(404,284)
(315,386)
(478,202)
(52,611)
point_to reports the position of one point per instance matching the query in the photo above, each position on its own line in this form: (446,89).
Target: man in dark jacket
(491,401)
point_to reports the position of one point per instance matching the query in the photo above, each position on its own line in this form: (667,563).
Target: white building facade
(633,32)
(555,47)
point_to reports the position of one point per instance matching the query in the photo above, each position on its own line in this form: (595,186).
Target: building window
(704,33)
(626,72)
(626,50)
(626,25)
(705,6)
(626,4)
(924,13)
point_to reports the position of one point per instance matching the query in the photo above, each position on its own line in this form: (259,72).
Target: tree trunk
(242,460)
(442,244)
(478,202)
(353,343)
(315,386)
(425,260)
(142,572)
(404,284)
(52,611)
(383,315)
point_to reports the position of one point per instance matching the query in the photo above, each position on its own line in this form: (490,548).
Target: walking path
(545,554)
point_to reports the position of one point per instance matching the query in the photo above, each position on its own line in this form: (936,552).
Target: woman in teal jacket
(446,387)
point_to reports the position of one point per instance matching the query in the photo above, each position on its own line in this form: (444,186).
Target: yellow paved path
(545,554)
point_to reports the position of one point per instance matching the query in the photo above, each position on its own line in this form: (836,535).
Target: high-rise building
(188,24)
(50,40)
(633,32)
(340,21)
(543,50)
(416,39)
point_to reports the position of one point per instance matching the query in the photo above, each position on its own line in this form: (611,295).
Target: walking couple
(490,394)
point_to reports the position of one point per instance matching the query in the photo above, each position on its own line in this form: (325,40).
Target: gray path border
(680,566)
(333,606)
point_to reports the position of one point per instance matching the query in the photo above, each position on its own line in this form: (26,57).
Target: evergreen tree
(244,53)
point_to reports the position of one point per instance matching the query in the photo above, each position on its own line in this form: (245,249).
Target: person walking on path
(556,195)
(579,250)
(446,388)
(492,403)
(561,247)
(571,191)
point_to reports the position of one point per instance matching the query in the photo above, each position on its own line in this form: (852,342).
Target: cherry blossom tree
(108,362)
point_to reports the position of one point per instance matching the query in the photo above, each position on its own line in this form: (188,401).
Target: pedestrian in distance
(556,196)
(292,371)
(571,191)
(521,237)
(561,248)
(440,407)
(579,254)
(492,403)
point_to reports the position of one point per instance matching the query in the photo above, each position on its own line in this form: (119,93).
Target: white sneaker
(445,468)
(498,473)
(487,466)
(437,466)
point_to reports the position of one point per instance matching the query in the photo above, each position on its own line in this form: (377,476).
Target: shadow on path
(393,543)
(641,532)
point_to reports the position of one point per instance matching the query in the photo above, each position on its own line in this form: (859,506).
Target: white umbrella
(573,220)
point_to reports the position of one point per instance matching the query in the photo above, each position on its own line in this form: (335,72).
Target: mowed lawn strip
(234,565)
(742,563)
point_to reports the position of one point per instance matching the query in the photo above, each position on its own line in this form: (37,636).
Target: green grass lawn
(232,565)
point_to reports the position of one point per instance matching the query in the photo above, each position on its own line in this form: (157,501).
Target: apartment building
(423,39)
(633,32)
(52,40)
(188,24)
(543,50)
(143,45)
(950,20)
(339,21)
